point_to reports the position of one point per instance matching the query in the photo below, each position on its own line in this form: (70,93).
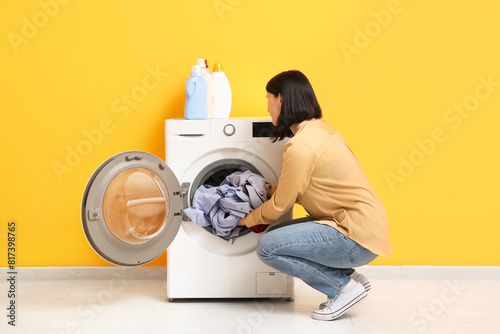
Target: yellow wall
(413,86)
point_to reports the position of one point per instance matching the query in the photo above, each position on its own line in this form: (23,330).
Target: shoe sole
(341,311)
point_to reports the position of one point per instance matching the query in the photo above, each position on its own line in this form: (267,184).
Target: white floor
(403,300)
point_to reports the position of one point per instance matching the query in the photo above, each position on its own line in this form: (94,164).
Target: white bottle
(208,79)
(221,93)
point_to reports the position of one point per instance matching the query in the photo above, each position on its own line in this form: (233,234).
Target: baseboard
(432,272)
(44,274)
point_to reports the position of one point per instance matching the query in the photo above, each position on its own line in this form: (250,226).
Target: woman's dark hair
(298,103)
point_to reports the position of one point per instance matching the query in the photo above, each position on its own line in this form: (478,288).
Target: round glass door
(131,208)
(135,205)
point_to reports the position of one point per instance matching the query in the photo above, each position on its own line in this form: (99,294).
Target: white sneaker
(361,279)
(358,278)
(342,303)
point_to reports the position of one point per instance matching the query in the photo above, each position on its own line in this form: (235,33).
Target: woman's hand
(241,222)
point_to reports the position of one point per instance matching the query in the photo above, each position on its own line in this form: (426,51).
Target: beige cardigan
(322,174)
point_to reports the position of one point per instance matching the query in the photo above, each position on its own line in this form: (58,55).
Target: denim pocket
(360,256)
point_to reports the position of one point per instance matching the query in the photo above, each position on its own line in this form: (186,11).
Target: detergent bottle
(221,93)
(205,71)
(196,95)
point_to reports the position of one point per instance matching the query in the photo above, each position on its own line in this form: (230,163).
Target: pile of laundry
(221,207)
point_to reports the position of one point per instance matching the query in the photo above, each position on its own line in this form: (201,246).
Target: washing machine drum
(214,174)
(131,208)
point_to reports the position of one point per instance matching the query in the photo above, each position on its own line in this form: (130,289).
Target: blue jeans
(318,254)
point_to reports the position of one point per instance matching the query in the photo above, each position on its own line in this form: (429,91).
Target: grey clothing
(221,207)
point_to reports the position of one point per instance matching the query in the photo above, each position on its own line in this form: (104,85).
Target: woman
(348,224)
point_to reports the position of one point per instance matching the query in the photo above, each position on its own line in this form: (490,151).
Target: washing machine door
(131,208)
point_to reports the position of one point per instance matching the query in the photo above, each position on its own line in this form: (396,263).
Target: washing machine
(132,209)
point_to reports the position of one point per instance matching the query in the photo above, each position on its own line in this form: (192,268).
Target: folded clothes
(221,207)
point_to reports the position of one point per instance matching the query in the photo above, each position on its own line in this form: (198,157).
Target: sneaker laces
(330,301)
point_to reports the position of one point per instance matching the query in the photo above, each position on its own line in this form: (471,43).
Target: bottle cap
(196,71)
(218,68)
(202,62)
